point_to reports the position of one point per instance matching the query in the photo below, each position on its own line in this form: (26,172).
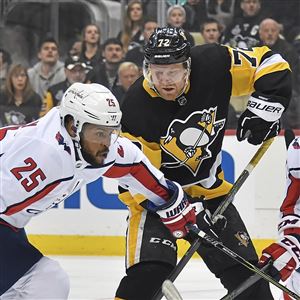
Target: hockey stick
(242,178)
(246,284)
(229,198)
(169,291)
(219,245)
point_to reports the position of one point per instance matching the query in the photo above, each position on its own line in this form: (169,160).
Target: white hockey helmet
(90,103)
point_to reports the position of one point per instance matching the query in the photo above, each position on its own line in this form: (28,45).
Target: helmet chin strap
(80,161)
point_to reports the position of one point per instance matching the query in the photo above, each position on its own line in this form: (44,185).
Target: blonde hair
(176,6)
(126,65)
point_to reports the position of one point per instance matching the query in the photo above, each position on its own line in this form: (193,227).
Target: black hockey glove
(260,121)
(203,217)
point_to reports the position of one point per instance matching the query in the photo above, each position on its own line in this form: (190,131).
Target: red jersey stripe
(142,174)
(20,206)
(292,196)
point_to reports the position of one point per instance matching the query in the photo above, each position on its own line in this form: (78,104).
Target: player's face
(169,80)
(95,141)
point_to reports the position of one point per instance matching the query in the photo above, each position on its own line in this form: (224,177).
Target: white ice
(97,277)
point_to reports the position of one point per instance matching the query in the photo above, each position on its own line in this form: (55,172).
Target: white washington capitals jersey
(291,203)
(38,169)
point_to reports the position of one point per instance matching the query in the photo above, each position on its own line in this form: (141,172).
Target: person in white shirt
(44,162)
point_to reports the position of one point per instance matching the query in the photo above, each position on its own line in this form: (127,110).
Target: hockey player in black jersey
(177,113)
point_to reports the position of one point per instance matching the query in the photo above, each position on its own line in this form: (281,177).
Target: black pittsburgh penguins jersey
(184,137)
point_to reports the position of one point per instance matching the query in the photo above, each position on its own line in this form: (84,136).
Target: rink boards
(93,221)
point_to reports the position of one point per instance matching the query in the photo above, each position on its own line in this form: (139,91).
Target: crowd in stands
(27,94)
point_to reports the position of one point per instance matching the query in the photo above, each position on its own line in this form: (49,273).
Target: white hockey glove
(260,121)
(285,253)
(177,212)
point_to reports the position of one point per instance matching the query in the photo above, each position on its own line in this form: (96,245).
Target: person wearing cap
(75,70)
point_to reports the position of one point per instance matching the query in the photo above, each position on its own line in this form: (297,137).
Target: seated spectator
(133,23)
(195,14)
(211,31)
(19,103)
(5,62)
(243,31)
(291,118)
(90,47)
(75,49)
(49,70)
(221,10)
(269,33)
(176,18)
(128,73)
(105,73)
(75,70)
(136,52)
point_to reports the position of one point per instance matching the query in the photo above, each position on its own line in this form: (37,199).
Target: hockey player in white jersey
(285,253)
(44,162)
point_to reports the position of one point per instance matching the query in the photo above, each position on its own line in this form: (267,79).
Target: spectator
(75,49)
(221,10)
(128,73)
(243,31)
(269,33)
(19,103)
(91,50)
(195,14)
(105,72)
(176,17)
(136,54)
(5,62)
(211,31)
(49,70)
(133,23)
(75,70)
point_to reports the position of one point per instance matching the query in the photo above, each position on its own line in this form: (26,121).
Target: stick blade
(170,291)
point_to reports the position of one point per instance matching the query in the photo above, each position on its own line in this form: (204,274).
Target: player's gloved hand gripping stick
(219,211)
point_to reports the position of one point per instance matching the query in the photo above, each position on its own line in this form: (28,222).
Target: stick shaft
(242,178)
(246,284)
(241,260)
(221,208)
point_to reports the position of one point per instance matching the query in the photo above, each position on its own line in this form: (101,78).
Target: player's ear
(69,124)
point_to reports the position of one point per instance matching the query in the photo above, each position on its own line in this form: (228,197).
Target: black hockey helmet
(167,45)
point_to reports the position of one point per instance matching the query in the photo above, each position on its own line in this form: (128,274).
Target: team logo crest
(243,238)
(188,141)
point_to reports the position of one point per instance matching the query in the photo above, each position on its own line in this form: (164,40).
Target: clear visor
(166,73)
(100,134)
